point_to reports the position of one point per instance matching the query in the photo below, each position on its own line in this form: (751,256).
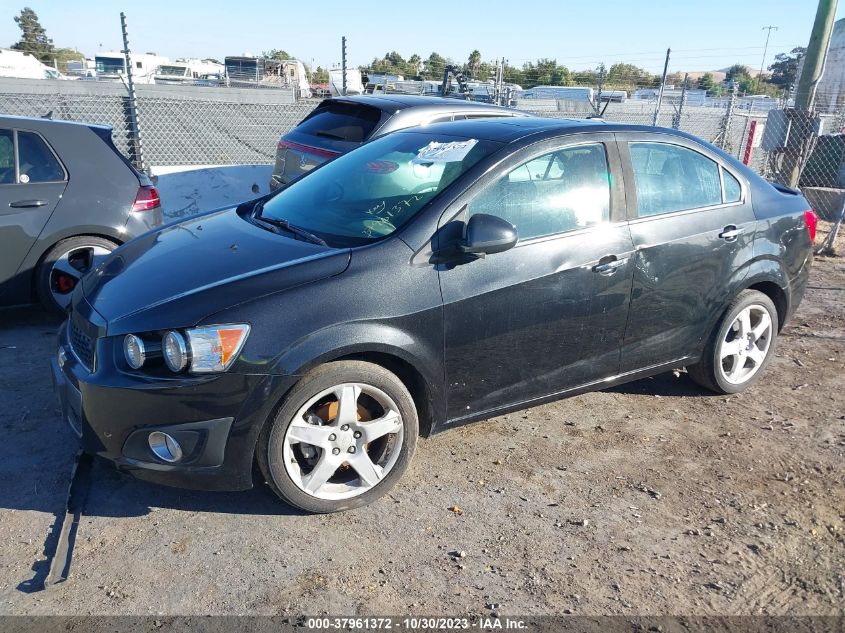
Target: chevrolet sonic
(427,279)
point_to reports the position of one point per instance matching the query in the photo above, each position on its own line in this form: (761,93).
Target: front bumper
(215,418)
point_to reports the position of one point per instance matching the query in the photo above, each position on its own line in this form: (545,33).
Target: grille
(82,345)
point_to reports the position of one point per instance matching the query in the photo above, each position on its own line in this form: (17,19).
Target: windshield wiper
(291,228)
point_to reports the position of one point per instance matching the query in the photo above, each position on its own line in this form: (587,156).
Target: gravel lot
(652,498)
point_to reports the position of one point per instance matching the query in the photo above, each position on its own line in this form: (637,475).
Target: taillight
(146,199)
(811,220)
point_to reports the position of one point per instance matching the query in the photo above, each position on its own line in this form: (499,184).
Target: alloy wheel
(745,345)
(70,267)
(343,441)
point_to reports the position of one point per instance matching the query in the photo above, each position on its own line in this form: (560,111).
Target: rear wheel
(341,439)
(65,264)
(741,346)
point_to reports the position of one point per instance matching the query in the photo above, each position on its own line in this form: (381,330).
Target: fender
(763,269)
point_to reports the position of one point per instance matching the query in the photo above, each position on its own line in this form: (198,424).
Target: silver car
(341,124)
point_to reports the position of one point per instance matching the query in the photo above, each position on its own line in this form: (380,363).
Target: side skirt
(597,385)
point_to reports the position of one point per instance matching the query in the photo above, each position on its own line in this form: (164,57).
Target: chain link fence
(224,126)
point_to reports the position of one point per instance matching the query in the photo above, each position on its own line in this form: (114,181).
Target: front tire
(741,345)
(341,439)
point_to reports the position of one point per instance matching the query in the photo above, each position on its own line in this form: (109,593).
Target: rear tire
(740,346)
(341,439)
(64,265)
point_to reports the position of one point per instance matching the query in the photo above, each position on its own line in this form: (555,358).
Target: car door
(550,313)
(32,181)
(692,226)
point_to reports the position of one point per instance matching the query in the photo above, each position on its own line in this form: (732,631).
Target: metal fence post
(662,86)
(676,120)
(725,133)
(134,128)
(343,62)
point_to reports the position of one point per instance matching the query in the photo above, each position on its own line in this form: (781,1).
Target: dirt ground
(652,498)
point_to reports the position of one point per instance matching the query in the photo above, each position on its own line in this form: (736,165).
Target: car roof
(394,102)
(509,129)
(45,123)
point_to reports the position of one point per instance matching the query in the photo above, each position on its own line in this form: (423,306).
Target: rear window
(37,162)
(341,121)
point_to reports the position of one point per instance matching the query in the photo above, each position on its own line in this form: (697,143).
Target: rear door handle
(26,204)
(730,233)
(609,267)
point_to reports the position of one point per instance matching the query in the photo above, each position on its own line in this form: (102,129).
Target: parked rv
(613,96)
(260,72)
(189,71)
(112,66)
(82,69)
(25,66)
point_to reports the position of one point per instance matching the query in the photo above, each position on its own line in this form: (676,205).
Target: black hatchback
(425,280)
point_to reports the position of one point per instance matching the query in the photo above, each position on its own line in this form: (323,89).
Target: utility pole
(662,86)
(801,118)
(135,129)
(768,30)
(343,63)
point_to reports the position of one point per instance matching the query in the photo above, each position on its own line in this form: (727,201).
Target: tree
(414,64)
(737,73)
(34,38)
(707,82)
(545,72)
(276,53)
(434,66)
(320,76)
(474,63)
(628,76)
(64,55)
(785,67)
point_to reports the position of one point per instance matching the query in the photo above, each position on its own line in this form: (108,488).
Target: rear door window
(673,178)
(37,161)
(341,121)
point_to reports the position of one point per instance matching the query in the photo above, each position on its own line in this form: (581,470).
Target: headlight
(215,348)
(175,351)
(133,350)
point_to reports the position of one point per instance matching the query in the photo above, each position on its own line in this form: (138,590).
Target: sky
(703,34)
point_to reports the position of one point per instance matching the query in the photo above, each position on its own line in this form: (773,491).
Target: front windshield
(372,191)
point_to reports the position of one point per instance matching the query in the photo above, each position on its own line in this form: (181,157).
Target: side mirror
(488,234)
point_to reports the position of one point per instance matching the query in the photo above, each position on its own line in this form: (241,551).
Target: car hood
(175,276)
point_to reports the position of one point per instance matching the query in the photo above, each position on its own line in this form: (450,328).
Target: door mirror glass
(487,234)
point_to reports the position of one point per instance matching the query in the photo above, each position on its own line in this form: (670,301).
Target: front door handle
(26,204)
(730,233)
(608,266)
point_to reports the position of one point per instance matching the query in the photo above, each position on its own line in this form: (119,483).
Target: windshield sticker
(436,152)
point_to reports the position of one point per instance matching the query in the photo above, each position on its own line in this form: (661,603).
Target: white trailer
(189,71)
(22,65)
(111,66)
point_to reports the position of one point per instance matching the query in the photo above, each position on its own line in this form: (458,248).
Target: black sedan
(425,280)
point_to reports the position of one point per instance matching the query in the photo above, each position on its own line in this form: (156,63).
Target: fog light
(165,447)
(61,357)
